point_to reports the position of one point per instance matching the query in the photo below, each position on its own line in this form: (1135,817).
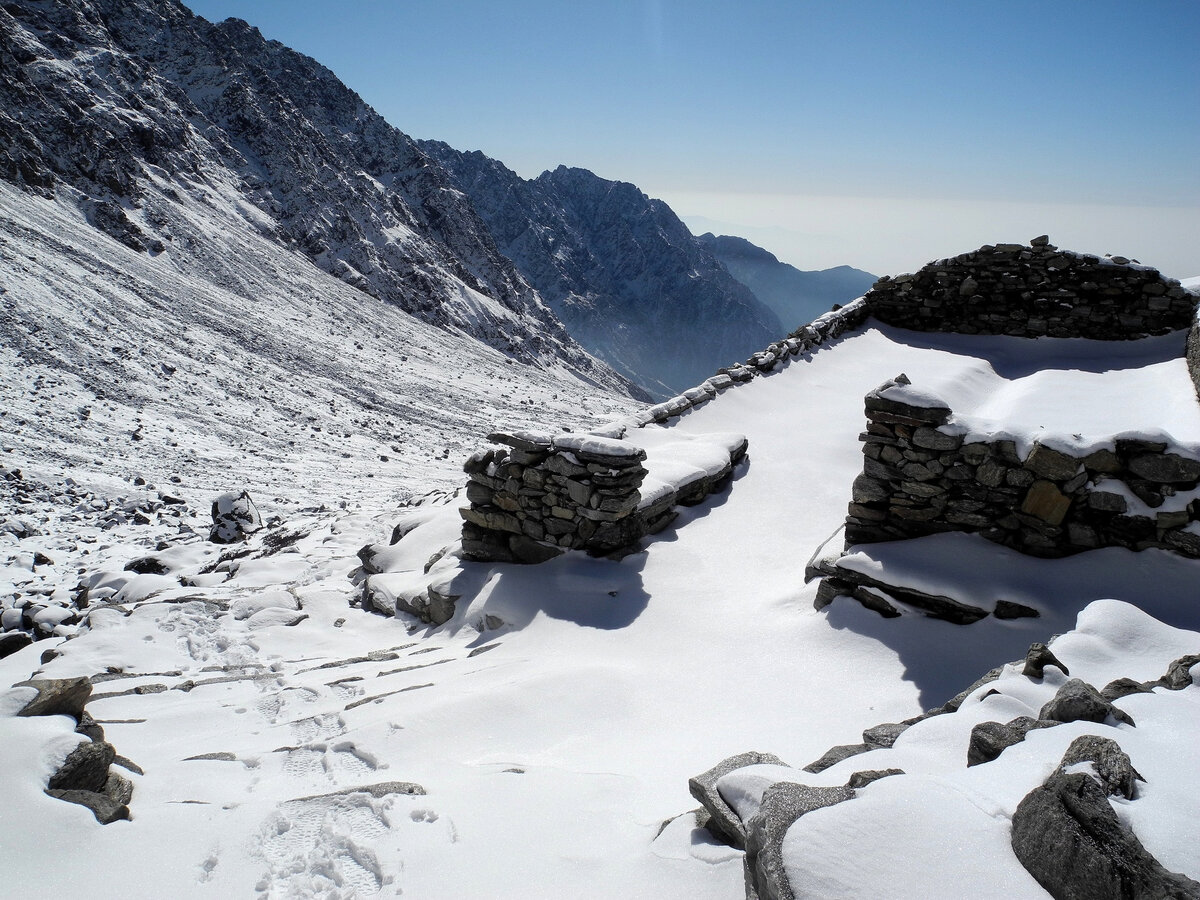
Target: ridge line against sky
(868,132)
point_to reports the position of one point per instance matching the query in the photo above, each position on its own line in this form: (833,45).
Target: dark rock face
(1067,836)
(96,95)
(796,296)
(85,768)
(628,279)
(990,739)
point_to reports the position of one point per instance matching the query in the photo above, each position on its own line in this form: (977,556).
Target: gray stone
(1166,468)
(57,696)
(932,439)
(725,824)
(1037,658)
(1179,674)
(885,735)
(1123,687)
(835,755)
(85,768)
(1068,838)
(990,739)
(1045,462)
(867,776)
(118,788)
(104,808)
(1110,763)
(1078,701)
(782,804)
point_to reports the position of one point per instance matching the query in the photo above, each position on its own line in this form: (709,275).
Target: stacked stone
(1034,291)
(545,494)
(920,478)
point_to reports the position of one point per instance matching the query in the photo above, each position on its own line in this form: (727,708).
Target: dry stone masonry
(921,476)
(1034,291)
(546,494)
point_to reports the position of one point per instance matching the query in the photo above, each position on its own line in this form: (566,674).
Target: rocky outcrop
(85,775)
(624,274)
(1034,291)
(1066,834)
(133,109)
(920,476)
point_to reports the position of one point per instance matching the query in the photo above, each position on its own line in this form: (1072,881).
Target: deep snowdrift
(554,722)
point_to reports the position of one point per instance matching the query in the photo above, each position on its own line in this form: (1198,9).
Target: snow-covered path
(550,748)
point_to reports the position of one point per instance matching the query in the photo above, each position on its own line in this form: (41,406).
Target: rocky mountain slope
(795,295)
(621,270)
(123,108)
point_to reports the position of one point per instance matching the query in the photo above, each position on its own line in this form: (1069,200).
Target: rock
(1036,660)
(103,807)
(234,517)
(1048,463)
(835,755)
(1046,502)
(57,697)
(1078,701)
(1123,687)
(12,641)
(85,768)
(862,779)
(990,739)
(1110,764)
(1179,675)
(527,550)
(725,824)
(1166,468)
(146,565)
(782,804)
(885,735)
(1068,838)
(1006,609)
(89,727)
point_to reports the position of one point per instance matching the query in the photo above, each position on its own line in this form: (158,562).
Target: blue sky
(879,134)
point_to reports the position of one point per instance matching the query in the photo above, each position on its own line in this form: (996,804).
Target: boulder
(85,768)
(12,641)
(1110,764)
(725,824)
(234,518)
(1068,838)
(1078,701)
(782,804)
(103,807)
(990,739)
(57,697)
(1036,660)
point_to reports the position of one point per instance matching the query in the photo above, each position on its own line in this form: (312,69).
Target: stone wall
(921,476)
(1193,355)
(545,494)
(1034,291)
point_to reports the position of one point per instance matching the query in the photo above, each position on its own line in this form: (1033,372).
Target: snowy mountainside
(796,296)
(621,270)
(121,107)
(231,362)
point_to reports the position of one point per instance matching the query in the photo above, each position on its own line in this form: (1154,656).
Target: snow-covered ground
(553,724)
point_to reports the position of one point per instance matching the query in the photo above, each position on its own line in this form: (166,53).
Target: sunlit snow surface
(555,720)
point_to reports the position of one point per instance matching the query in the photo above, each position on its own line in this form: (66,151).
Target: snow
(553,723)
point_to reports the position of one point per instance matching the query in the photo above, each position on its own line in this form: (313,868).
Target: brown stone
(1046,502)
